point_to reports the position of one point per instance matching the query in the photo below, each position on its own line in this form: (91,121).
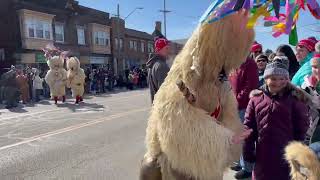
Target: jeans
(316,148)
(37,94)
(247,166)
(242,113)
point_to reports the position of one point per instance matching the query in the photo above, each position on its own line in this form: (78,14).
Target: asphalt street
(101,139)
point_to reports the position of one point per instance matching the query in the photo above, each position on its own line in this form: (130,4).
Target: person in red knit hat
(304,54)
(157,67)
(305,47)
(256,50)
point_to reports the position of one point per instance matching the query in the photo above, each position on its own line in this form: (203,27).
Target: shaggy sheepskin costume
(56,78)
(303,161)
(182,137)
(76,78)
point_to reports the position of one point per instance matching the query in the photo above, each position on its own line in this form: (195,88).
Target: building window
(131,44)
(59,33)
(81,36)
(38,29)
(150,47)
(142,46)
(116,43)
(2,55)
(121,44)
(101,39)
(135,45)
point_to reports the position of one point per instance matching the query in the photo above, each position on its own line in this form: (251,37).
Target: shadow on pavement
(18,109)
(82,106)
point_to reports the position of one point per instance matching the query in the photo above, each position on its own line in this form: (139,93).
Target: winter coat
(37,82)
(157,72)
(243,80)
(275,120)
(305,70)
(313,133)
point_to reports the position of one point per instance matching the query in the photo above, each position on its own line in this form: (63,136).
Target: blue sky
(184,18)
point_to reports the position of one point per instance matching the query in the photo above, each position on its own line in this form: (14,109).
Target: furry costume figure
(56,78)
(76,78)
(303,162)
(182,138)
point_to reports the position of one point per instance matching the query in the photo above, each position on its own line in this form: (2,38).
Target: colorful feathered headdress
(284,20)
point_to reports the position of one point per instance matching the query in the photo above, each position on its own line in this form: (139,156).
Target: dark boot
(81,99)
(63,99)
(243,174)
(236,167)
(150,170)
(55,100)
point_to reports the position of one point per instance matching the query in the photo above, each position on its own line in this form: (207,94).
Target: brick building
(130,48)
(138,45)
(28,25)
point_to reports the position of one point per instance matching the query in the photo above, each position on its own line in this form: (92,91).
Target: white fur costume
(76,78)
(184,138)
(56,77)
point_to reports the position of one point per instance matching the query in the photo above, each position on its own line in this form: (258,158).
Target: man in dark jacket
(157,67)
(243,80)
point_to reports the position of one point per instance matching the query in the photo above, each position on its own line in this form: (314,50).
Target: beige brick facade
(93,27)
(33,43)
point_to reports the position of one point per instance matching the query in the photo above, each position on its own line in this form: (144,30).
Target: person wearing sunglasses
(262,61)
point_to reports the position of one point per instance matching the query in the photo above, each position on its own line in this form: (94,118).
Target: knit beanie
(256,46)
(160,43)
(279,66)
(308,43)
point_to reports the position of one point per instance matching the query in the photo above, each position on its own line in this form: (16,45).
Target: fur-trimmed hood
(297,92)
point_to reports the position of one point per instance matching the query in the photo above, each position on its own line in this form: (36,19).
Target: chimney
(158,26)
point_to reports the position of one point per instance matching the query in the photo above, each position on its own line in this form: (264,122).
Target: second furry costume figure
(194,135)
(75,78)
(56,77)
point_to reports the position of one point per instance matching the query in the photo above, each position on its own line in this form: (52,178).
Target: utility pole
(118,37)
(165,11)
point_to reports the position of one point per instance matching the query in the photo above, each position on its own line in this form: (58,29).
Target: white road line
(72,128)
(42,112)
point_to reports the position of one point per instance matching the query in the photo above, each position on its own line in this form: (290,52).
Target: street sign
(40,58)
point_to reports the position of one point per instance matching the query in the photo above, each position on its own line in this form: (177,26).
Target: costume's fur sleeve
(204,152)
(49,78)
(299,155)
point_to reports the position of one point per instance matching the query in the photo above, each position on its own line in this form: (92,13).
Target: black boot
(243,174)
(236,167)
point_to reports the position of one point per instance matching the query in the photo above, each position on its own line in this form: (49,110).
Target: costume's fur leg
(152,139)
(299,155)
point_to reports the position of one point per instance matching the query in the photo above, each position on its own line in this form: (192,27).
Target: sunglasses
(257,52)
(261,60)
